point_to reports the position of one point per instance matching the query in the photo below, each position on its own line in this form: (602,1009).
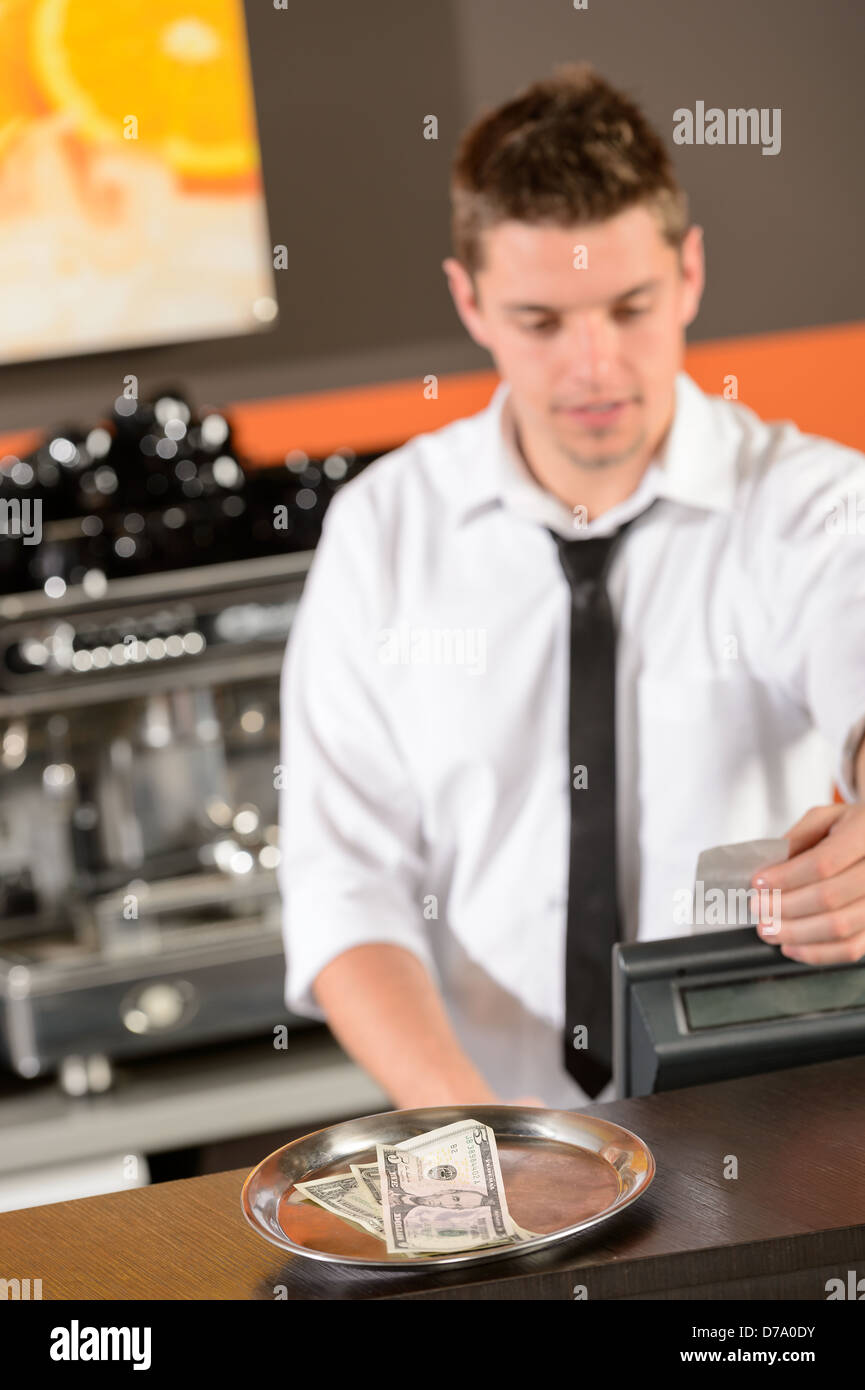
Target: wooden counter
(793,1218)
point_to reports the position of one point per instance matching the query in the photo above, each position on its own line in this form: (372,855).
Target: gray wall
(360,198)
(783,232)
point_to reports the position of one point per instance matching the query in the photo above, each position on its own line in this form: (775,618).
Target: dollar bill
(369,1182)
(443,1191)
(342,1194)
(446,1194)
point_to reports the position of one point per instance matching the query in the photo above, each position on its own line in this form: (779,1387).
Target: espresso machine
(141,643)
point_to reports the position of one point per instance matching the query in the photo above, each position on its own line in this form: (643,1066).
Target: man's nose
(590,347)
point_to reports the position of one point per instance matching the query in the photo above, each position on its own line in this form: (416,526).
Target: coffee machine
(141,643)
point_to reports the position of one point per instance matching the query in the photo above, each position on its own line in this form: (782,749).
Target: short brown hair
(570,149)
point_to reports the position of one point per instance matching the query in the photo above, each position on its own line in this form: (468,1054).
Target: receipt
(723,896)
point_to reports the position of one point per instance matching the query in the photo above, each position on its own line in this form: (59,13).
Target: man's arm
(811,568)
(352,867)
(387,1012)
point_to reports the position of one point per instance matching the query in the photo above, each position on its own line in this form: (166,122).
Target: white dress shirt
(425,703)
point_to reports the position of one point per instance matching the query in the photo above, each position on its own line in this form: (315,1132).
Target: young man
(483,789)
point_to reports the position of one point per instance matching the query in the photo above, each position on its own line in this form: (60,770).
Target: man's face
(611,334)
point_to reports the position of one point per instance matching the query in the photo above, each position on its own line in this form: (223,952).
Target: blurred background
(221,235)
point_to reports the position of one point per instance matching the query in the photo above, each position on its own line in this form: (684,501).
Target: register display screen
(774,996)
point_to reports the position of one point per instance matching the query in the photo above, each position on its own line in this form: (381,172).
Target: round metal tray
(563,1173)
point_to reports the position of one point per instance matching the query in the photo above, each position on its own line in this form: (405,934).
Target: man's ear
(464,295)
(693,269)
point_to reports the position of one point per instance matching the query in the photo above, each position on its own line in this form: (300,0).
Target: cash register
(693,1009)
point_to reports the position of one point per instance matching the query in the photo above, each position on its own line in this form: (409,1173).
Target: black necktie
(593,917)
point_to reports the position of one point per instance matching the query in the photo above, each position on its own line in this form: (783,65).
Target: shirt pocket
(708,748)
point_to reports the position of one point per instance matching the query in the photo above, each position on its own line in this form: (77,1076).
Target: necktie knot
(586,562)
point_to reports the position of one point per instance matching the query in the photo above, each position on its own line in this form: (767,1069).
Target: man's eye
(542,326)
(628,313)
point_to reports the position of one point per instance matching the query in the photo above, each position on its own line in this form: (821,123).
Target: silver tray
(563,1172)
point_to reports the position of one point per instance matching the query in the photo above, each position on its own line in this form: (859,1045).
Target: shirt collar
(695,466)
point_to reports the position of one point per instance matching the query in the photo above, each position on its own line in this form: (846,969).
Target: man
(481,791)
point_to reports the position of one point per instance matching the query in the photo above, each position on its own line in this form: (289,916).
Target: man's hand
(822,904)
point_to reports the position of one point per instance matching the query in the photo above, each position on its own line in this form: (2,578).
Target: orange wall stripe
(363,417)
(811,376)
(21,442)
